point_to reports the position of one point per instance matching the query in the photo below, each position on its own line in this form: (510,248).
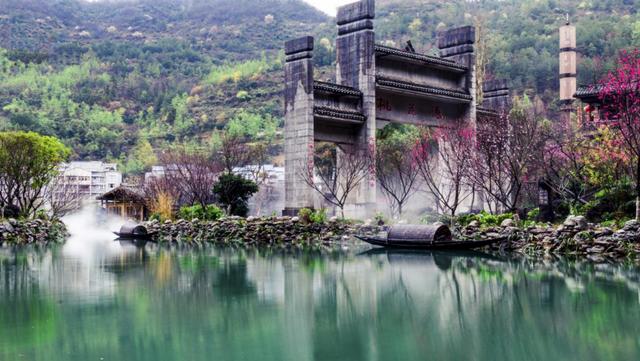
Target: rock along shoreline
(32,232)
(282,232)
(574,238)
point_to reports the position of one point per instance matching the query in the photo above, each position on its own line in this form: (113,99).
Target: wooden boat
(435,237)
(134,232)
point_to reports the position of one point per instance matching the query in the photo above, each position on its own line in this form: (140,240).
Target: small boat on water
(134,232)
(434,237)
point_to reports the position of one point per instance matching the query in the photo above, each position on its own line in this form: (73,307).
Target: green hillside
(522,35)
(105,77)
(114,76)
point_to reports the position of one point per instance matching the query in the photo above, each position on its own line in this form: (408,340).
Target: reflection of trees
(546,314)
(212,304)
(26,318)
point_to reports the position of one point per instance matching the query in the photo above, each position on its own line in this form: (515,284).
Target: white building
(157,171)
(270,179)
(90,179)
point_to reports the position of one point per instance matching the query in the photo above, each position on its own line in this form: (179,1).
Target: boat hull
(427,245)
(134,237)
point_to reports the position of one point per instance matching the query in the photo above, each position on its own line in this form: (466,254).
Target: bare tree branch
(336,177)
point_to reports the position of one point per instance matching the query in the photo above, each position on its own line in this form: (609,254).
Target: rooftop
(336,89)
(124,193)
(588,91)
(342,114)
(91,166)
(424,89)
(422,58)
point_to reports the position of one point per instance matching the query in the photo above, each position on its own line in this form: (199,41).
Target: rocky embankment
(282,232)
(576,237)
(24,232)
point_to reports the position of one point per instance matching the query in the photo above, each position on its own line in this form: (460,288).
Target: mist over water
(79,271)
(92,237)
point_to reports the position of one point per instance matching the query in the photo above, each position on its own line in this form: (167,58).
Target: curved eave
(588,94)
(336,89)
(339,115)
(424,91)
(420,59)
(484,112)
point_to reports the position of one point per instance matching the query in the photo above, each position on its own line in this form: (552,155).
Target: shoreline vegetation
(574,239)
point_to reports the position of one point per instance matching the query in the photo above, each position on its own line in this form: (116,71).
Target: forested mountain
(113,79)
(521,35)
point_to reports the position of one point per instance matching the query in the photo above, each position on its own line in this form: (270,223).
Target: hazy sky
(328,6)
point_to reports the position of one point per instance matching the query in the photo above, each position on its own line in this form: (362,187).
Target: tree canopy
(28,164)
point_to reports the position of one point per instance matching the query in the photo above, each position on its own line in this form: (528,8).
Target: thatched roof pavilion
(126,202)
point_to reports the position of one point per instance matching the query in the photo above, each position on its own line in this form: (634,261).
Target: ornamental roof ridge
(339,113)
(421,57)
(423,88)
(336,88)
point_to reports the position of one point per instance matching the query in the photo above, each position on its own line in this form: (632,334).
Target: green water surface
(109,301)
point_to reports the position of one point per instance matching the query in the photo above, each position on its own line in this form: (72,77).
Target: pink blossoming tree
(620,95)
(508,155)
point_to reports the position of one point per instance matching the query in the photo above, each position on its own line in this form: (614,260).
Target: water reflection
(103,299)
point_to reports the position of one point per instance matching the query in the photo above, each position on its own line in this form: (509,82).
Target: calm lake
(95,299)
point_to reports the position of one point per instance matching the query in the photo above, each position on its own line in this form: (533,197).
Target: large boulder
(576,222)
(6,226)
(632,225)
(474,224)
(508,223)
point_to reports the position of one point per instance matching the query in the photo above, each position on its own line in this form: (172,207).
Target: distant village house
(90,179)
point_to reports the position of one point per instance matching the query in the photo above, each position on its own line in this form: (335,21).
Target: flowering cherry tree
(508,155)
(620,95)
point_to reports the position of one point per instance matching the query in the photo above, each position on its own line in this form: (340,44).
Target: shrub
(210,213)
(613,203)
(380,218)
(465,219)
(156,217)
(305,215)
(243,95)
(533,214)
(614,223)
(484,218)
(309,216)
(162,207)
(234,192)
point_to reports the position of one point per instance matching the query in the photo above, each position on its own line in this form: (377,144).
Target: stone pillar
(496,95)
(298,123)
(459,45)
(568,69)
(356,58)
